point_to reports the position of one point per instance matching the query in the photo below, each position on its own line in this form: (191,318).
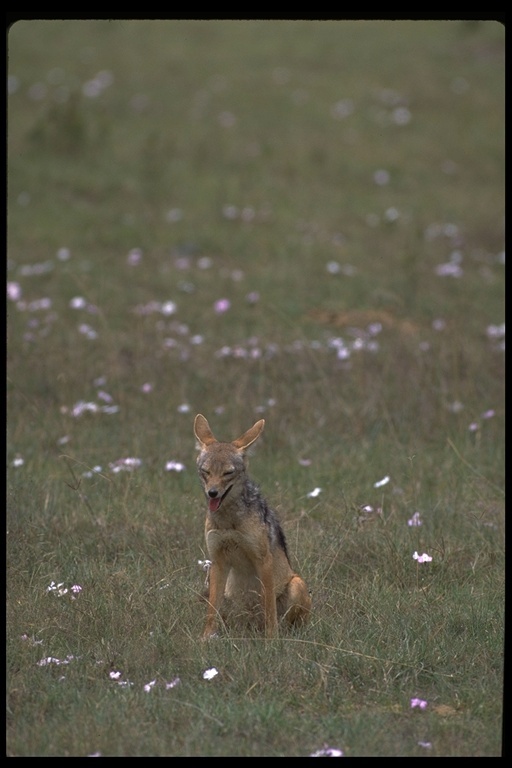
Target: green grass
(241,159)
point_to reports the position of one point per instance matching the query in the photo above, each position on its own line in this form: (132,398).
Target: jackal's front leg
(218,578)
(268,595)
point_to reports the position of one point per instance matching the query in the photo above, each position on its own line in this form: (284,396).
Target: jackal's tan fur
(249,559)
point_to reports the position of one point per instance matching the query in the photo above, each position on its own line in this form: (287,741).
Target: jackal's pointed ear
(250,436)
(203,432)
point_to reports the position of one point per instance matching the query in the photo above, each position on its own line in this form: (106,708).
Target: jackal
(249,558)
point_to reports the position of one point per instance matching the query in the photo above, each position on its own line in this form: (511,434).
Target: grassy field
(300,221)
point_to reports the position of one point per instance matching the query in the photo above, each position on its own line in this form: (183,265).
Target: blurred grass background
(297,220)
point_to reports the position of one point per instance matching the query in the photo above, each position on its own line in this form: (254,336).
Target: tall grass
(297,221)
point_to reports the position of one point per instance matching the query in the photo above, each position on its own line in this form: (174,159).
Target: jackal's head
(222,466)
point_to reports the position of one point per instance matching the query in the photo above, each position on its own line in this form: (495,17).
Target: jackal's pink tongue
(214,504)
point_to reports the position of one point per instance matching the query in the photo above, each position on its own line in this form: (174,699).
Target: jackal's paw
(209,635)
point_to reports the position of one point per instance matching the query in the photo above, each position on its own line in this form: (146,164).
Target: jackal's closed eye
(228,473)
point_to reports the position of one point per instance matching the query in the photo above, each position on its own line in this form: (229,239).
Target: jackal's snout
(216,496)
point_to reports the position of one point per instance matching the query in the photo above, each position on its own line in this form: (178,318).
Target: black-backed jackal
(249,559)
